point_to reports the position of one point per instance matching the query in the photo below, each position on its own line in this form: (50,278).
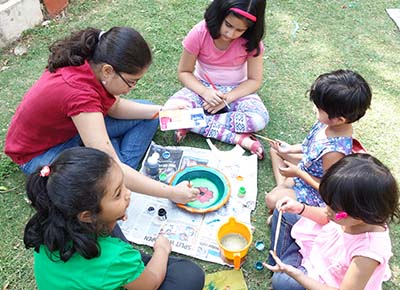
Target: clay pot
(54,7)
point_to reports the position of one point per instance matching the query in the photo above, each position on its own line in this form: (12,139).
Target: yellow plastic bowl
(234,227)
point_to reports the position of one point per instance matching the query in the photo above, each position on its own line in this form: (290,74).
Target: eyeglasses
(130,84)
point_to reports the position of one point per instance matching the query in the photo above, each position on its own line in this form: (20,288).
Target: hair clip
(341,215)
(45,171)
(101,34)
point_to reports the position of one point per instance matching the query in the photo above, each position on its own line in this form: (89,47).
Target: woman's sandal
(179,135)
(254,149)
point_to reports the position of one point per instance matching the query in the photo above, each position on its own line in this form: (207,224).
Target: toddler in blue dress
(340,97)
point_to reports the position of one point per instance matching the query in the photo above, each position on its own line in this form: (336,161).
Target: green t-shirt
(118,264)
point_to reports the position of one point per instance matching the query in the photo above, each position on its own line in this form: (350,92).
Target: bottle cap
(162,214)
(242,191)
(162,176)
(151,160)
(166,155)
(151,210)
(260,245)
(259,265)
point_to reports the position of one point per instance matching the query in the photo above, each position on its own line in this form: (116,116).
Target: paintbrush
(215,88)
(280,143)
(265,138)
(278,228)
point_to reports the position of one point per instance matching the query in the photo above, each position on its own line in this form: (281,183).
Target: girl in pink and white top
(345,245)
(221,68)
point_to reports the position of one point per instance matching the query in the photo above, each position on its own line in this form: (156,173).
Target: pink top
(224,67)
(43,118)
(327,252)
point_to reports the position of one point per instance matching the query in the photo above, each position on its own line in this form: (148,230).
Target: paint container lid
(259,265)
(151,210)
(260,245)
(242,191)
(152,160)
(162,177)
(166,155)
(162,214)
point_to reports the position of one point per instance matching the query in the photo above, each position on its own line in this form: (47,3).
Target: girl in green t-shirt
(78,200)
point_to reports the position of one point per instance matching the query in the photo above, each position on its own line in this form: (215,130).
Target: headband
(244,13)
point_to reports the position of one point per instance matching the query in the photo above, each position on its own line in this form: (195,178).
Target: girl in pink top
(345,245)
(221,68)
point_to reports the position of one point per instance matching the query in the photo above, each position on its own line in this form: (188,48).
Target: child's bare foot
(250,142)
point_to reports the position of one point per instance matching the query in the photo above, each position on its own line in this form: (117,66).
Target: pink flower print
(204,195)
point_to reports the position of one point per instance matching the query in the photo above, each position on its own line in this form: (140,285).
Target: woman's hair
(363,187)
(341,93)
(75,184)
(121,47)
(219,9)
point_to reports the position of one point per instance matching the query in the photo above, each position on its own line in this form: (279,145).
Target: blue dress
(313,150)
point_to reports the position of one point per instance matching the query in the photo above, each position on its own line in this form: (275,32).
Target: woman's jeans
(130,139)
(287,250)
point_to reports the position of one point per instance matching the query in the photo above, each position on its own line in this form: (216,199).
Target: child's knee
(270,200)
(259,121)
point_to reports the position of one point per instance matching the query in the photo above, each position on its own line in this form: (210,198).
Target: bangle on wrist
(302,210)
(155,116)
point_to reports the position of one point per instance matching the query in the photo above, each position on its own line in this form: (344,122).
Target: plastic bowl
(214,188)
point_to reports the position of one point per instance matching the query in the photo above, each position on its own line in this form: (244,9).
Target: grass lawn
(331,35)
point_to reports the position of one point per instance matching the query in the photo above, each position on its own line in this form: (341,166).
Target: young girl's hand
(282,267)
(280,146)
(184,193)
(212,97)
(213,109)
(288,204)
(162,244)
(290,170)
(279,267)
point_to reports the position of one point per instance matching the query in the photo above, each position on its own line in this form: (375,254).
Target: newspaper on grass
(192,234)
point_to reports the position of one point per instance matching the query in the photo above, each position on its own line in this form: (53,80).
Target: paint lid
(152,160)
(242,191)
(162,176)
(260,245)
(162,212)
(166,155)
(259,265)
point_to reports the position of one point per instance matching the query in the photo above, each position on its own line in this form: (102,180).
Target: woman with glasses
(76,102)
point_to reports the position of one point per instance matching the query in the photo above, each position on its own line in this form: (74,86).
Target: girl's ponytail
(73,50)
(36,186)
